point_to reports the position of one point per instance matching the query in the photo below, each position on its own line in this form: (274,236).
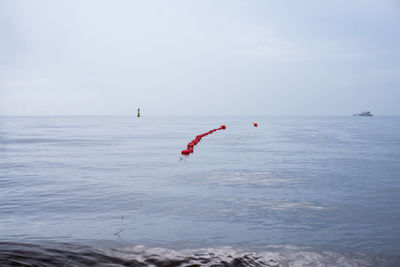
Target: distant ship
(365,113)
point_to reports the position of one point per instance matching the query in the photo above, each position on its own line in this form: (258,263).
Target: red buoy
(185,152)
(197,139)
(255,124)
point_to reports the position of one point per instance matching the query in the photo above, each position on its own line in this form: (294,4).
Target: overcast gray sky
(199,57)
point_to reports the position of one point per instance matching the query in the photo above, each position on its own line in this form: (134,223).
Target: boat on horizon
(365,113)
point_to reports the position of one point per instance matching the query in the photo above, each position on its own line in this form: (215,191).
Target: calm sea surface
(318,190)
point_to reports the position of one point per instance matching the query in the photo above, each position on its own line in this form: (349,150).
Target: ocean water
(294,191)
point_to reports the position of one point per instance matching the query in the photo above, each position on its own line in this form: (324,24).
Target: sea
(116,191)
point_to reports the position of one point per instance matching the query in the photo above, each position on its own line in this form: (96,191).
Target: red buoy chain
(197,139)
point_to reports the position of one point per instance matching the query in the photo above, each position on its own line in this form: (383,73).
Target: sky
(203,57)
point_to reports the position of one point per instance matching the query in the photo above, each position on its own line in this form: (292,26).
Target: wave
(63,254)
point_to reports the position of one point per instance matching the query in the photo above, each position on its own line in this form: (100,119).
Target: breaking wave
(63,254)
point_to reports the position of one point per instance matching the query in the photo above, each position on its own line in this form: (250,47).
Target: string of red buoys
(197,139)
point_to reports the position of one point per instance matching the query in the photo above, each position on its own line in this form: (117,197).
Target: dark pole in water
(138,112)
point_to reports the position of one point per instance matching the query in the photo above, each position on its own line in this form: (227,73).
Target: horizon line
(180,115)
